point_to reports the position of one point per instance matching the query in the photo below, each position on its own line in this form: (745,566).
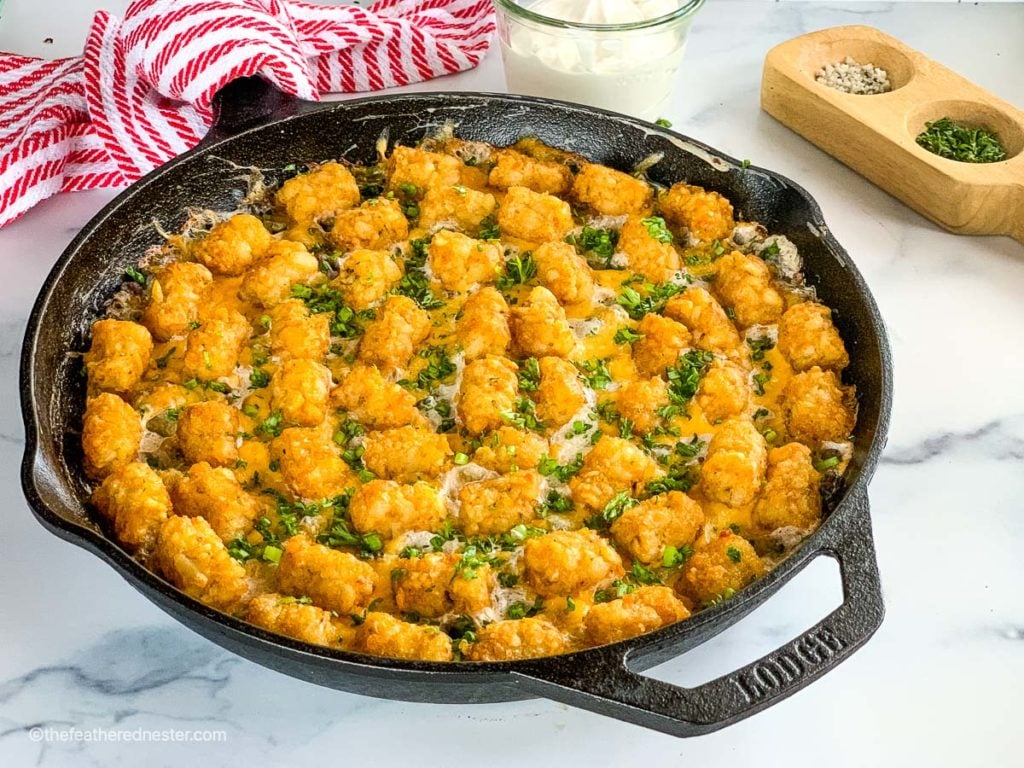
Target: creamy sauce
(631,72)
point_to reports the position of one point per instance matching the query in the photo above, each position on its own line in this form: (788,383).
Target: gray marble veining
(939,685)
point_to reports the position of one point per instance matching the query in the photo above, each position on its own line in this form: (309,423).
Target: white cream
(625,71)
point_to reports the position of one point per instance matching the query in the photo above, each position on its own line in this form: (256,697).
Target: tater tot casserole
(468,403)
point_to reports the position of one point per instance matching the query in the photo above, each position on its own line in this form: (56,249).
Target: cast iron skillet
(258,126)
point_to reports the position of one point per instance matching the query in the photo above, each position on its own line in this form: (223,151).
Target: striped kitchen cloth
(141,92)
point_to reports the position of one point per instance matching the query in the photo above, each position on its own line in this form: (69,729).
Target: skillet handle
(608,686)
(245,103)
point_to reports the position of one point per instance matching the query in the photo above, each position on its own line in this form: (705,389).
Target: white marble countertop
(939,685)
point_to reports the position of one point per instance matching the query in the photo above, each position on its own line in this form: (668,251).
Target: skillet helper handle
(247,102)
(608,686)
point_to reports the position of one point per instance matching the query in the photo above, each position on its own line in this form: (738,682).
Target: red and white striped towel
(141,92)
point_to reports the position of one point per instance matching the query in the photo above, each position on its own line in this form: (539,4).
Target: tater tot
(790,496)
(704,317)
(490,507)
(381,634)
(645,254)
(734,469)
(458,205)
(509,640)
(270,281)
(366,276)
(508,449)
(807,338)
(421,169)
(663,341)
(320,194)
(311,464)
(389,508)
(118,354)
(460,262)
(612,466)
(287,616)
(175,298)
(208,432)
(111,433)
(720,567)
(390,340)
(724,392)
(560,393)
(744,283)
(482,325)
(374,401)
(533,216)
(569,562)
(814,408)
(212,349)
(639,401)
(375,225)
(514,169)
(214,493)
(333,580)
(564,272)
(667,520)
(639,612)
(233,246)
(539,326)
(423,585)
(610,192)
(406,454)
(487,393)
(704,216)
(134,499)
(296,334)
(192,557)
(300,390)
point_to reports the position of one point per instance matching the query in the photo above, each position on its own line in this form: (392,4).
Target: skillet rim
(672,637)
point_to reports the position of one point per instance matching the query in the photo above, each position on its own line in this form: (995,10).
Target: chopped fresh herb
(760,379)
(823,465)
(684,377)
(954,141)
(442,537)
(555,502)
(520,610)
(217,386)
(619,588)
(345,321)
(135,275)
(638,304)
(570,605)
(549,467)
(340,534)
(770,252)
(524,416)
(242,550)
(656,228)
(529,374)
(734,527)
(758,346)
(643,575)
(734,554)
(461,459)
(414,283)
(663,122)
(518,270)
(439,367)
(745,164)
(508,580)
(259,378)
(612,510)
(473,559)
(489,229)
(673,557)
(627,336)
(596,373)
(597,244)
(347,430)
(161,362)
(272,554)
(272,425)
